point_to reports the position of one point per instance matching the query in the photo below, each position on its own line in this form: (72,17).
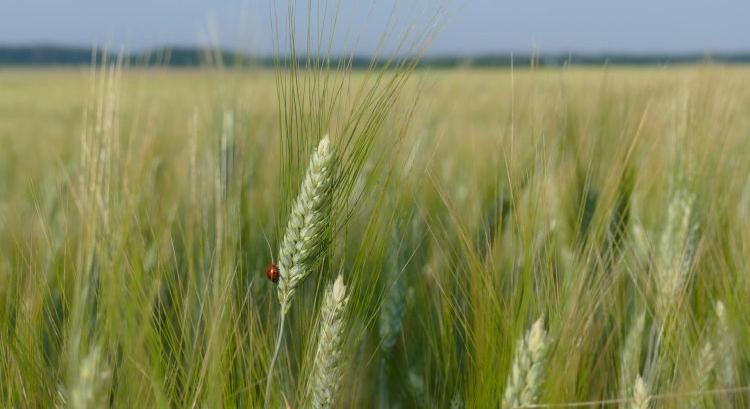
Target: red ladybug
(273,273)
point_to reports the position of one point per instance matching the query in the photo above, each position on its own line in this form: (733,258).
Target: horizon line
(140,51)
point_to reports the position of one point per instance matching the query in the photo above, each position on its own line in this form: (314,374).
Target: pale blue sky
(469,27)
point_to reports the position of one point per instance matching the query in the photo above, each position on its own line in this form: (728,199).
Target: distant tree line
(196,57)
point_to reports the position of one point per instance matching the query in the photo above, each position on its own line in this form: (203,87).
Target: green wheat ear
(304,238)
(527,374)
(326,372)
(89,389)
(676,248)
(641,398)
(725,348)
(631,355)
(392,310)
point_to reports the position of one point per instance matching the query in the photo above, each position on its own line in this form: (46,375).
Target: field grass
(610,206)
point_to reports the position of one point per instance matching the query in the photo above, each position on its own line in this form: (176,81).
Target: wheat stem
(277,348)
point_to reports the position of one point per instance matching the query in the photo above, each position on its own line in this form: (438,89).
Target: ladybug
(272,272)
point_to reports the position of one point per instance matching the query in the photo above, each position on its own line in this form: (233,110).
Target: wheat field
(464,238)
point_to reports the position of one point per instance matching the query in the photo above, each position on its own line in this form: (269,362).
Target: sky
(464,27)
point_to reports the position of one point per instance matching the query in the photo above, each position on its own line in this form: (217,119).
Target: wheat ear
(705,369)
(527,374)
(676,248)
(716,361)
(457,402)
(92,376)
(326,369)
(725,348)
(304,237)
(631,355)
(305,232)
(392,310)
(641,398)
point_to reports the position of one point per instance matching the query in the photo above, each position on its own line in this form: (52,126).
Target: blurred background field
(469,113)
(511,194)
(472,105)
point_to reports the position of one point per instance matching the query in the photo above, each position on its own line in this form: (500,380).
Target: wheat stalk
(326,369)
(527,374)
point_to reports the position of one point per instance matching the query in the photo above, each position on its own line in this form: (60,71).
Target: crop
(422,222)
